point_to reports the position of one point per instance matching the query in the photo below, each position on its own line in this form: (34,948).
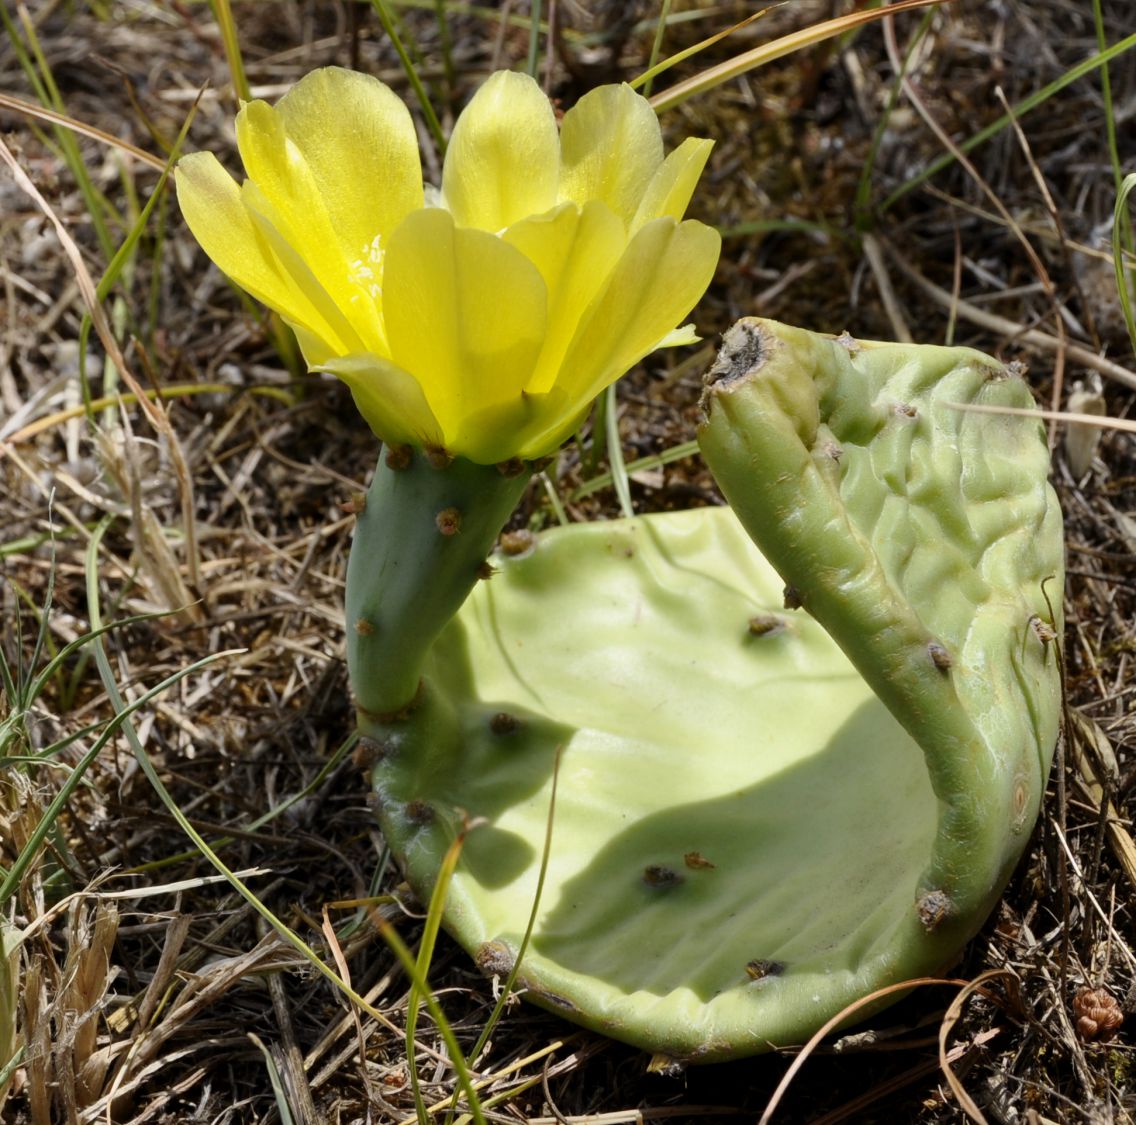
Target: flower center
(367,269)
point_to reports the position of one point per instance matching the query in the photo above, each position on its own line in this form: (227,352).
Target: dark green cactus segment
(420,544)
(924,538)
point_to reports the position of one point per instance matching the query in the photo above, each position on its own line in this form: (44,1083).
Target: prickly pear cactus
(763,812)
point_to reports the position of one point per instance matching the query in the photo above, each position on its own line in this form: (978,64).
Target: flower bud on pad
(763,813)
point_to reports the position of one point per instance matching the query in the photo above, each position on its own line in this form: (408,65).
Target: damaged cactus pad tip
(764,813)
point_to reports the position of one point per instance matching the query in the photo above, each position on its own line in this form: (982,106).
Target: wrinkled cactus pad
(763,813)
(926,539)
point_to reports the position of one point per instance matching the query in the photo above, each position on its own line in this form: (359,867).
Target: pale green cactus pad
(753,829)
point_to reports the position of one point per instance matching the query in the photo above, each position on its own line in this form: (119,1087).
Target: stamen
(367,270)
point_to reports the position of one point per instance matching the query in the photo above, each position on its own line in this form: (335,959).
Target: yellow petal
(358,141)
(679,338)
(211,203)
(552,419)
(659,279)
(465,314)
(673,184)
(279,170)
(575,250)
(502,432)
(332,307)
(315,350)
(610,149)
(389,398)
(503,159)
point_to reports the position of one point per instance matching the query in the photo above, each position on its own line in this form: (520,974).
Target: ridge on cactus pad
(764,813)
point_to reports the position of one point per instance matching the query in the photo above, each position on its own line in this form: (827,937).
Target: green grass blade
(78,643)
(125,253)
(48,93)
(122,720)
(432,122)
(43,757)
(554,500)
(594,452)
(511,980)
(12,879)
(426,945)
(42,631)
(615,455)
(446,42)
(767,52)
(644,464)
(864,187)
(656,48)
(788,226)
(223,14)
(406,960)
(279,1093)
(13,682)
(1106,98)
(532,64)
(646,79)
(1017,112)
(1121,235)
(259,822)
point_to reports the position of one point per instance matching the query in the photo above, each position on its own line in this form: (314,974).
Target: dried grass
(149,991)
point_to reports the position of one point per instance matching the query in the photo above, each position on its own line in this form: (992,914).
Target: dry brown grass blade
(1044,276)
(68,1055)
(152,408)
(86,975)
(176,933)
(786,45)
(853,1110)
(1092,755)
(41,113)
(1081,441)
(123,458)
(287,1055)
(483,1083)
(87,288)
(1012,329)
(1090,897)
(640,1115)
(892,303)
(1012,224)
(36,1020)
(835,1022)
(199,992)
(1098,421)
(953,1015)
(345,974)
(137,1014)
(97,405)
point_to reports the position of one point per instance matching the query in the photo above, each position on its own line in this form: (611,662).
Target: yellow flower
(482,318)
